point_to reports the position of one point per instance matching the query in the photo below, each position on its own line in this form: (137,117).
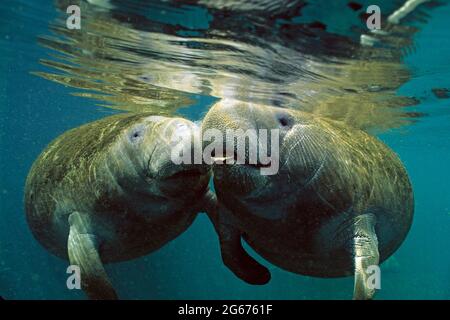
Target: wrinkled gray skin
(108,191)
(341,201)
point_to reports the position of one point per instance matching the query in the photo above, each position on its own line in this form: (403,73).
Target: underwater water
(180,57)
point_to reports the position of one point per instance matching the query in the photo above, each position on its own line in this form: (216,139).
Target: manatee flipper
(233,254)
(238,260)
(83,252)
(365,250)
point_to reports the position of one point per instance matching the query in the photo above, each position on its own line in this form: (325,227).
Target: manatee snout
(252,139)
(172,139)
(255,138)
(173,133)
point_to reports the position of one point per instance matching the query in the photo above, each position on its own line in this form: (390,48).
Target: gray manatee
(340,202)
(108,191)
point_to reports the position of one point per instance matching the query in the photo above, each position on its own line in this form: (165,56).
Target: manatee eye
(285,120)
(136,134)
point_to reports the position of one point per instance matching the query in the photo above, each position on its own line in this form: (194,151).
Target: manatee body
(340,202)
(108,191)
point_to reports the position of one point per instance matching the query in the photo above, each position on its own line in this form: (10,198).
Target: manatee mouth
(259,165)
(235,158)
(185,174)
(170,171)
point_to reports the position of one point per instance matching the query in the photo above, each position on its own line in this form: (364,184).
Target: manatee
(108,191)
(341,200)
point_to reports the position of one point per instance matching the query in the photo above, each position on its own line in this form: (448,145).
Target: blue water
(34,111)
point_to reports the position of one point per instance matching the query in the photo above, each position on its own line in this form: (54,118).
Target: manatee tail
(366,256)
(233,254)
(83,252)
